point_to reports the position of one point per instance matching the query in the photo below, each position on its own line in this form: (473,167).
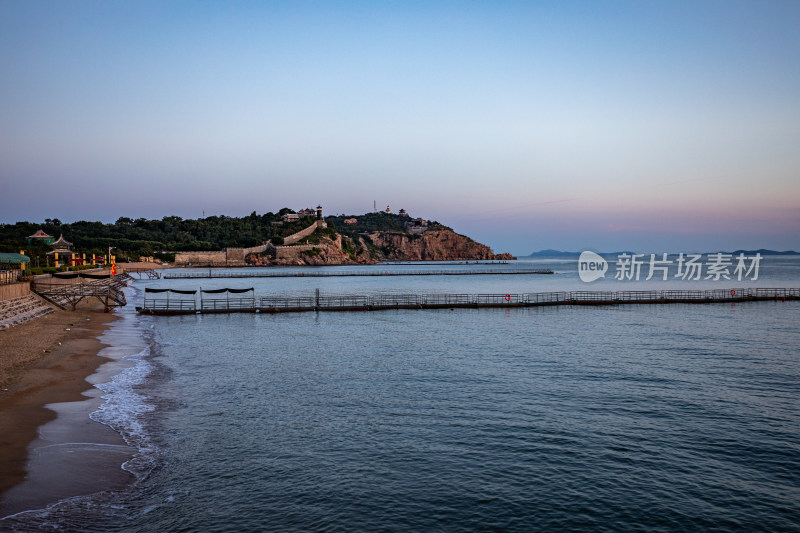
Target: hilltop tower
(319,212)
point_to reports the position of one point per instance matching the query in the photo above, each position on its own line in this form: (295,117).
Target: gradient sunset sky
(650,126)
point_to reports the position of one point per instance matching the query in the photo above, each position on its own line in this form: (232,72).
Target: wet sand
(44,366)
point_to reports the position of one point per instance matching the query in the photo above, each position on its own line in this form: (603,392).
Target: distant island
(287,237)
(559,253)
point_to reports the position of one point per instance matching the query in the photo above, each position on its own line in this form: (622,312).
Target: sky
(661,126)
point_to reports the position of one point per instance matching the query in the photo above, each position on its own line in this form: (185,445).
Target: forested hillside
(378,221)
(379,235)
(142,237)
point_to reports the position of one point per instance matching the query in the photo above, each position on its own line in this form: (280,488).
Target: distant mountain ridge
(764,252)
(553,253)
(559,253)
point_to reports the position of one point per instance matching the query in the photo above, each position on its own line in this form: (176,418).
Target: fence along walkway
(349,273)
(151,273)
(275,304)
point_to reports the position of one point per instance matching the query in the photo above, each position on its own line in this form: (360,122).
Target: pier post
(316,300)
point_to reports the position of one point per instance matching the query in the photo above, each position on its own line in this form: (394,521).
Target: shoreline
(44,362)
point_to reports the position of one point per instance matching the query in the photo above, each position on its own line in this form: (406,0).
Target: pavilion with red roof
(40,236)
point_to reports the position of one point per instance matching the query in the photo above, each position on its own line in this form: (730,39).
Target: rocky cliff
(436,244)
(433,245)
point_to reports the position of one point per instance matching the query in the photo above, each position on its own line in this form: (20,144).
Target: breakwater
(159,302)
(350,273)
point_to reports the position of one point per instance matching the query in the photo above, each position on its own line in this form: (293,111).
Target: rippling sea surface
(615,418)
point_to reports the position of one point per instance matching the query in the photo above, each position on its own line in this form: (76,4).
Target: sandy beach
(44,362)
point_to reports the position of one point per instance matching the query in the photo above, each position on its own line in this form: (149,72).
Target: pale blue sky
(607,125)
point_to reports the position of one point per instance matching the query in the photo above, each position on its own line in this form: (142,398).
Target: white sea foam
(124,406)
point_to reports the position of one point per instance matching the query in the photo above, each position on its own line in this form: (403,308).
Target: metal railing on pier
(158,306)
(227,305)
(275,304)
(142,272)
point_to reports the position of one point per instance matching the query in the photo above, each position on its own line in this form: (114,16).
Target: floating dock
(213,301)
(349,273)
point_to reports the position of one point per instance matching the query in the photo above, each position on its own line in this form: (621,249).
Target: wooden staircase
(68,295)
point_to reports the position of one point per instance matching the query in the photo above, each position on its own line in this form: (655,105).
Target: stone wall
(256,249)
(226,257)
(235,256)
(201,258)
(302,234)
(290,252)
(14,290)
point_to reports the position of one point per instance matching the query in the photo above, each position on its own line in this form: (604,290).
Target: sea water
(614,418)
